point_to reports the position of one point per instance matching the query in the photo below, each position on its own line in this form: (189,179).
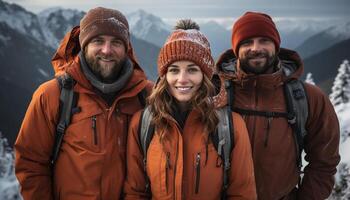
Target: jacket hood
(66,59)
(289,60)
(226,68)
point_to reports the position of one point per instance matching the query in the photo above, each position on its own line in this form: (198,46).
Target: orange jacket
(272,140)
(172,165)
(91,163)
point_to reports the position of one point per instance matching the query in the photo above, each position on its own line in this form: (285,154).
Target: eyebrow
(190,65)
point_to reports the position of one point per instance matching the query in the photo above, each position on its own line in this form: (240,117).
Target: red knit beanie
(186,43)
(103,21)
(254,24)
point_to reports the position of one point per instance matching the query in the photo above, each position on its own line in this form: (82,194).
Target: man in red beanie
(283,115)
(94,65)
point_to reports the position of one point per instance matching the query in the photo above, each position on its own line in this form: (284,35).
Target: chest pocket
(84,131)
(206,169)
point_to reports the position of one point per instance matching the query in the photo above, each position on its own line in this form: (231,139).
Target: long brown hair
(160,101)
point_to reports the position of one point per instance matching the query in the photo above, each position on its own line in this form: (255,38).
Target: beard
(257,62)
(107,72)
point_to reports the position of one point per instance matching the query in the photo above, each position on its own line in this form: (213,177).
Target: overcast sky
(204,8)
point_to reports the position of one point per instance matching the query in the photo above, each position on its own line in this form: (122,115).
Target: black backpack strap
(297,107)
(146,131)
(223,141)
(260,113)
(68,100)
(230,93)
(142,97)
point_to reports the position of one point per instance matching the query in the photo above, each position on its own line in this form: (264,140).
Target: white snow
(341,31)
(140,23)
(68,14)
(9,188)
(344,119)
(22,21)
(341,86)
(309,79)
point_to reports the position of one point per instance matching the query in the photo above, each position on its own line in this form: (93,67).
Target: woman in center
(183,158)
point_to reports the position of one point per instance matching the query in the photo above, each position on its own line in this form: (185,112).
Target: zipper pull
(198,171)
(94,129)
(167,167)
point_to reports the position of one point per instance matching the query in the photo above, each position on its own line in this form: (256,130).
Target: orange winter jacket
(91,163)
(272,140)
(184,167)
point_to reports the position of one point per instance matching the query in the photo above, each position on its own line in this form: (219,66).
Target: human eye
(117,42)
(193,69)
(173,70)
(246,42)
(265,40)
(97,41)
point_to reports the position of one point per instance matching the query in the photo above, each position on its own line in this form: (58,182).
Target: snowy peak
(67,14)
(21,20)
(146,20)
(148,27)
(341,32)
(213,25)
(55,22)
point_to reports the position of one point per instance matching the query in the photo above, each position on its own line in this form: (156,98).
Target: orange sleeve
(35,142)
(135,184)
(241,177)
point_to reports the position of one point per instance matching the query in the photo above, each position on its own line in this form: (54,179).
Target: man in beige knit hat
(82,154)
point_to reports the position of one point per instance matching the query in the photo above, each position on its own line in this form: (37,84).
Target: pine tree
(309,79)
(9,188)
(341,86)
(342,186)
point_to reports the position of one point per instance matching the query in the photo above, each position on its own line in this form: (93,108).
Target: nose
(106,48)
(255,46)
(183,77)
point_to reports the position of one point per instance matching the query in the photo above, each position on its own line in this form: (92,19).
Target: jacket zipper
(167,167)
(198,172)
(175,166)
(254,117)
(94,129)
(269,120)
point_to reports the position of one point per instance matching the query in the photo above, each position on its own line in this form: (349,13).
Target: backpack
(223,141)
(68,107)
(297,108)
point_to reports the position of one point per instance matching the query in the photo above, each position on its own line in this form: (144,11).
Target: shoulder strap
(68,99)
(224,142)
(230,93)
(297,107)
(146,131)
(142,97)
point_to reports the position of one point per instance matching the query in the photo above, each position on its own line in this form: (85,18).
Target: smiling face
(105,56)
(257,55)
(184,79)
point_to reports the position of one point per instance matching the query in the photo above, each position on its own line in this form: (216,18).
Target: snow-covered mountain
(325,39)
(323,64)
(55,22)
(218,36)
(21,20)
(148,27)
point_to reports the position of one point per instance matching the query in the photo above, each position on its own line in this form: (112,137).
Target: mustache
(257,54)
(105,56)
